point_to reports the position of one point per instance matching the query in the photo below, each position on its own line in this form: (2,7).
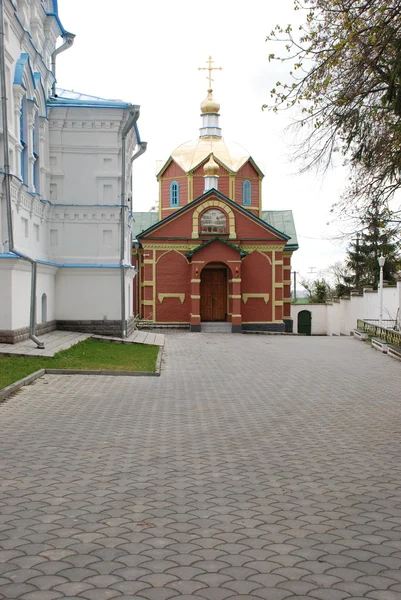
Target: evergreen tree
(379,238)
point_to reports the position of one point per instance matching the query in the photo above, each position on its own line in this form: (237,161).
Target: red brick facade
(178,263)
(192,185)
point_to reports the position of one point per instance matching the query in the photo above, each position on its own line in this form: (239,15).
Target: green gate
(305,322)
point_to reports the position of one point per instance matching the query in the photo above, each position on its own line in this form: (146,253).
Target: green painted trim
(242,253)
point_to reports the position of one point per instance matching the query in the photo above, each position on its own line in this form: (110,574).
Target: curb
(159,361)
(103,372)
(249,331)
(14,387)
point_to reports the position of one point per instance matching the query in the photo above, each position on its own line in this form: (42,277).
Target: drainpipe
(7,176)
(7,184)
(141,150)
(68,42)
(131,120)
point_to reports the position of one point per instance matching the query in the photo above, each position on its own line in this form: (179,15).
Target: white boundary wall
(340,317)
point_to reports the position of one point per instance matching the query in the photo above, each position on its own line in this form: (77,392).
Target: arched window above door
(213,221)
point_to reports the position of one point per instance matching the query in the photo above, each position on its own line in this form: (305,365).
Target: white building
(65,240)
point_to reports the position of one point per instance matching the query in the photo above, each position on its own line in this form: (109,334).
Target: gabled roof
(231,203)
(227,243)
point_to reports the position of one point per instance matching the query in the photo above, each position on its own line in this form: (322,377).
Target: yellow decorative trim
(147,302)
(147,283)
(232,261)
(287,267)
(148,261)
(236,315)
(190,187)
(195,280)
(217,204)
(160,199)
(231,187)
(154,289)
(234,280)
(181,297)
(235,296)
(278,262)
(173,250)
(274,278)
(199,262)
(287,299)
(260,197)
(287,282)
(245,297)
(262,252)
(168,246)
(263,247)
(278,285)
(278,303)
(195,297)
(196,316)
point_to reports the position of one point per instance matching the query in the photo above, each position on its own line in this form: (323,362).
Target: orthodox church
(212,254)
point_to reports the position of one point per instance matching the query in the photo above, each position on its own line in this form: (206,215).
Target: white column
(381,262)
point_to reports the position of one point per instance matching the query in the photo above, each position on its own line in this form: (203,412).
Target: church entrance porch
(213,294)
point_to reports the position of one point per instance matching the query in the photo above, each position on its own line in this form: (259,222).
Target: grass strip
(87,355)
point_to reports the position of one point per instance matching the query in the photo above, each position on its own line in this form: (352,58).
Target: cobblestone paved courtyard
(255,467)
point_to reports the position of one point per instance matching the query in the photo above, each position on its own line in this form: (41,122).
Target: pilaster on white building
(65,203)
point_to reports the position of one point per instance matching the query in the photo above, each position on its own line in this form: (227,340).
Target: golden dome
(211,168)
(209,105)
(191,154)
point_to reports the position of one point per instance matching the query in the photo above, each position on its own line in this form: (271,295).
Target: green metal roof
(142,221)
(282,220)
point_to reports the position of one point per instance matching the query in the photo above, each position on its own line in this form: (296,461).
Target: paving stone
(16,590)
(274,594)
(100,594)
(213,593)
(230,476)
(158,593)
(186,587)
(73,588)
(42,595)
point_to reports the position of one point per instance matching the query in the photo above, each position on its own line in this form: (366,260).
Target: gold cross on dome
(210,69)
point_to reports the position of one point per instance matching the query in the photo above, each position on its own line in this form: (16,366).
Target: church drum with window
(212,253)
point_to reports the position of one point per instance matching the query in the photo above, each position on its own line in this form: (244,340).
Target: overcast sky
(148,53)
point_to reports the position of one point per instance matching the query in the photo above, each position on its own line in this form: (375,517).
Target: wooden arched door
(213,292)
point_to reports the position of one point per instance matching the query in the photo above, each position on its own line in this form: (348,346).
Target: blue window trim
(246,193)
(23,141)
(36,164)
(174,194)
